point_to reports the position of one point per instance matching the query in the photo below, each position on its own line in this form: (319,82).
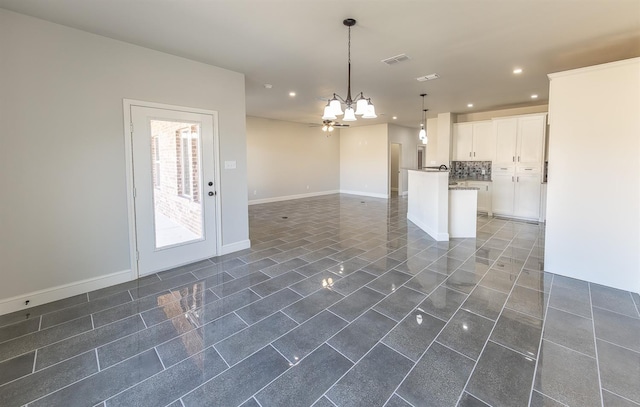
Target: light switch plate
(229,165)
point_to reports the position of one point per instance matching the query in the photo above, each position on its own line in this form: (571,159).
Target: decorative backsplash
(471,169)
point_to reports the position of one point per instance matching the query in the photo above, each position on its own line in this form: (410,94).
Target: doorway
(422,153)
(174,181)
(395,152)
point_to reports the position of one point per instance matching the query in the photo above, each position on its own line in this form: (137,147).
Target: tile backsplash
(471,169)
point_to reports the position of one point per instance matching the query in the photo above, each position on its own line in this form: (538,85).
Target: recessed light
(534,96)
(517,71)
(470,105)
(292,94)
(395,117)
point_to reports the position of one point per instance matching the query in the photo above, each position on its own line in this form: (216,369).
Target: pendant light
(423,132)
(363,105)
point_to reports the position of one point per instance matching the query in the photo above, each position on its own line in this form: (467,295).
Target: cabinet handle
(517,179)
(474,153)
(518,158)
(469,153)
(514,158)
(528,169)
(512,178)
(487,188)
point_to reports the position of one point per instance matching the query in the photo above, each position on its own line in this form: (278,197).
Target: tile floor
(340,302)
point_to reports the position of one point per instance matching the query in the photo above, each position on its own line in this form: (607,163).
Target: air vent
(396,59)
(429,77)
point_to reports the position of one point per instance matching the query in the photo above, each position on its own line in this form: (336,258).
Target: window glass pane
(176,168)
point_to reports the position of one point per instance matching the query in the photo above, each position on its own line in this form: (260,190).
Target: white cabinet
(516,194)
(484,195)
(502,197)
(473,141)
(520,140)
(517,169)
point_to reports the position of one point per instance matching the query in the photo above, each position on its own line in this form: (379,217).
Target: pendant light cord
(349,72)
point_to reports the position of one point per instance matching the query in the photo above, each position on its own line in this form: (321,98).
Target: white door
(527,196)
(506,131)
(502,195)
(174,187)
(531,140)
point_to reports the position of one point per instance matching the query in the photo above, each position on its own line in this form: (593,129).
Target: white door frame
(128,147)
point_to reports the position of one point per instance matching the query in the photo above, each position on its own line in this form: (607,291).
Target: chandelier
(423,133)
(363,105)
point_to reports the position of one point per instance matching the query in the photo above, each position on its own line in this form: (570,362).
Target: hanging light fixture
(363,106)
(423,132)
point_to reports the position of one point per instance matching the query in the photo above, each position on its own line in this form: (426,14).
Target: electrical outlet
(229,165)
(255,192)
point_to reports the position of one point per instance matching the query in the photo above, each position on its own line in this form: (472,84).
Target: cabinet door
(484,142)
(506,133)
(502,194)
(527,196)
(483,195)
(530,148)
(462,142)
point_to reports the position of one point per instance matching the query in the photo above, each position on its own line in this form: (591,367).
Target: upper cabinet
(520,140)
(473,141)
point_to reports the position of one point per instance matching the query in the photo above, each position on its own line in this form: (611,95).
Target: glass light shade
(328,113)
(425,140)
(330,128)
(370,113)
(349,115)
(422,134)
(325,127)
(361,107)
(336,106)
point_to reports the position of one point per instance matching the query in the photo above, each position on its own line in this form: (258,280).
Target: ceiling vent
(429,77)
(396,59)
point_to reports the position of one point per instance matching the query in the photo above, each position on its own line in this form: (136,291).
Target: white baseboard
(370,194)
(440,237)
(40,297)
(290,197)
(235,247)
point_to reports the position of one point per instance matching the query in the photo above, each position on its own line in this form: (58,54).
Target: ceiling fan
(328,125)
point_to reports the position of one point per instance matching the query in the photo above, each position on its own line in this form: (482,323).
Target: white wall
(408,138)
(445,132)
(432,143)
(62,154)
(364,160)
(290,160)
(593,196)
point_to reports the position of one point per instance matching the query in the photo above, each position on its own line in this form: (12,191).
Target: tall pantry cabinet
(518,167)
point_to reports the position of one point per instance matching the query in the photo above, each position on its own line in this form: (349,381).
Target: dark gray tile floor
(339,302)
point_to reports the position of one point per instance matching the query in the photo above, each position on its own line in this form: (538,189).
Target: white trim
(608,65)
(370,194)
(128,142)
(440,237)
(235,247)
(62,291)
(290,197)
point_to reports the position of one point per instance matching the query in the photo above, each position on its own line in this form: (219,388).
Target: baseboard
(60,292)
(370,194)
(440,237)
(235,247)
(290,197)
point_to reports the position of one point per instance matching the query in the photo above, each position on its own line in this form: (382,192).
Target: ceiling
(301,46)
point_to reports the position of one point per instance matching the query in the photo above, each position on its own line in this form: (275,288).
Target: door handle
(210,183)
(211,193)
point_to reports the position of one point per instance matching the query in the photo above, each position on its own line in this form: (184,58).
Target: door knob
(211,193)
(210,183)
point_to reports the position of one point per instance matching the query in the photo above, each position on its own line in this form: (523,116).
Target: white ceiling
(301,46)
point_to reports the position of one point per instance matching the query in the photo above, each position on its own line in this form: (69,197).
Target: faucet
(443,167)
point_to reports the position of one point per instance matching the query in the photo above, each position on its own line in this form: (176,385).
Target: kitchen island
(439,210)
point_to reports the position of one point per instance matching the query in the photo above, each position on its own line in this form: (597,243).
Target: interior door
(174,187)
